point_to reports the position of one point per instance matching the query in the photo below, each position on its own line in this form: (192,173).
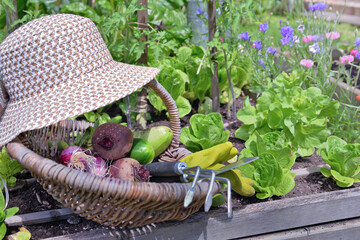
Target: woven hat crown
(57,67)
(50,51)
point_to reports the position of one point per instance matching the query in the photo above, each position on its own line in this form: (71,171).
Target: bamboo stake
(214,75)
(11,16)
(142,19)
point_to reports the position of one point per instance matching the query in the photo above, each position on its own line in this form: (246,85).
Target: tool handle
(166,169)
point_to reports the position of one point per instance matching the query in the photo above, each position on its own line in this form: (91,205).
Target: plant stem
(11,16)
(142,18)
(233,115)
(214,75)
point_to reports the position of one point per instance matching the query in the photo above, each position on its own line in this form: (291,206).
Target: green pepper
(142,151)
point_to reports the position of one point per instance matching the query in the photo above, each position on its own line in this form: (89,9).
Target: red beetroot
(112,141)
(129,169)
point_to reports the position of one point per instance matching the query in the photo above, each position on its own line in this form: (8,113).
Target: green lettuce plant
(5,213)
(300,114)
(344,160)
(8,168)
(271,172)
(204,132)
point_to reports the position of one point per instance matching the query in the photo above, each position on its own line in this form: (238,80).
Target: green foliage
(271,172)
(205,131)
(301,115)
(30,15)
(173,80)
(5,213)
(344,160)
(8,168)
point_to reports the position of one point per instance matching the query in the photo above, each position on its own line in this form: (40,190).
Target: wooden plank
(343,88)
(346,229)
(249,220)
(344,18)
(39,217)
(303,172)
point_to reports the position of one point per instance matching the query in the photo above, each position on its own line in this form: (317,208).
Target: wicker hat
(57,67)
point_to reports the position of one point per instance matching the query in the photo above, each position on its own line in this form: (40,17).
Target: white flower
(314,48)
(301,28)
(296,39)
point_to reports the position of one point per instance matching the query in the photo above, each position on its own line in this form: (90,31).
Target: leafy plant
(301,115)
(204,132)
(173,80)
(344,160)
(8,168)
(5,213)
(271,172)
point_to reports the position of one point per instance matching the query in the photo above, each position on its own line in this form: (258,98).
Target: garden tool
(180,169)
(212,158)
(171,169)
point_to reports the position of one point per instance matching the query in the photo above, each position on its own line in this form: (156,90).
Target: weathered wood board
(251,220)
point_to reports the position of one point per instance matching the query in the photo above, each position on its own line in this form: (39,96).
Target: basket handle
(173,115)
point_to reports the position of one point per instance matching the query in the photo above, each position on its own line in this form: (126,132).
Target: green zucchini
(159,137)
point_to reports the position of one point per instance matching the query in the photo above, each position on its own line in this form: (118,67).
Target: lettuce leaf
(300,114)
(204,132)
(344,161)
(271,172)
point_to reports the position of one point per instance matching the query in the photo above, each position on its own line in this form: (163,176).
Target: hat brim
(74,97)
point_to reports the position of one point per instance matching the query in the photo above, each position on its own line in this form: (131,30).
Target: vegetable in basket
(75,157)
(129,169)
(159,137)
(112,141)
(142,151)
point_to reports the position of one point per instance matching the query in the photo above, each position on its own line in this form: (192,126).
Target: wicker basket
(108,201)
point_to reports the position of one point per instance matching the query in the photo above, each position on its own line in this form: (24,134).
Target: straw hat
(57,67)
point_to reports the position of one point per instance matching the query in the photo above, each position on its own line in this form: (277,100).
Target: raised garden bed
(324,202)
(314,200)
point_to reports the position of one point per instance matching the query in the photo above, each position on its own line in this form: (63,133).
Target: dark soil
(33,198)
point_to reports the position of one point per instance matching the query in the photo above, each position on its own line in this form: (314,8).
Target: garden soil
(34,198)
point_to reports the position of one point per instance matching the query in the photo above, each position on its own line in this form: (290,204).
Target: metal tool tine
(190,193)
(208,199)
(229,203)
(227,181)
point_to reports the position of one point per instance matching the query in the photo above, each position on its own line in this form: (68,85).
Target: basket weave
(108,201)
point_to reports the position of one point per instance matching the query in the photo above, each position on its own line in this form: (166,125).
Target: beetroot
(129,169)
(112,141)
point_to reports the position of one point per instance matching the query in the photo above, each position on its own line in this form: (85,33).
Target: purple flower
(280,22)
(357,41)
(316,38)
(271,50)
(318,6)
(357,55)
(261,63)
(287,31)
(198,11)
(244,36)
(257,45)
(314,48)
(285,40)
(263,27)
